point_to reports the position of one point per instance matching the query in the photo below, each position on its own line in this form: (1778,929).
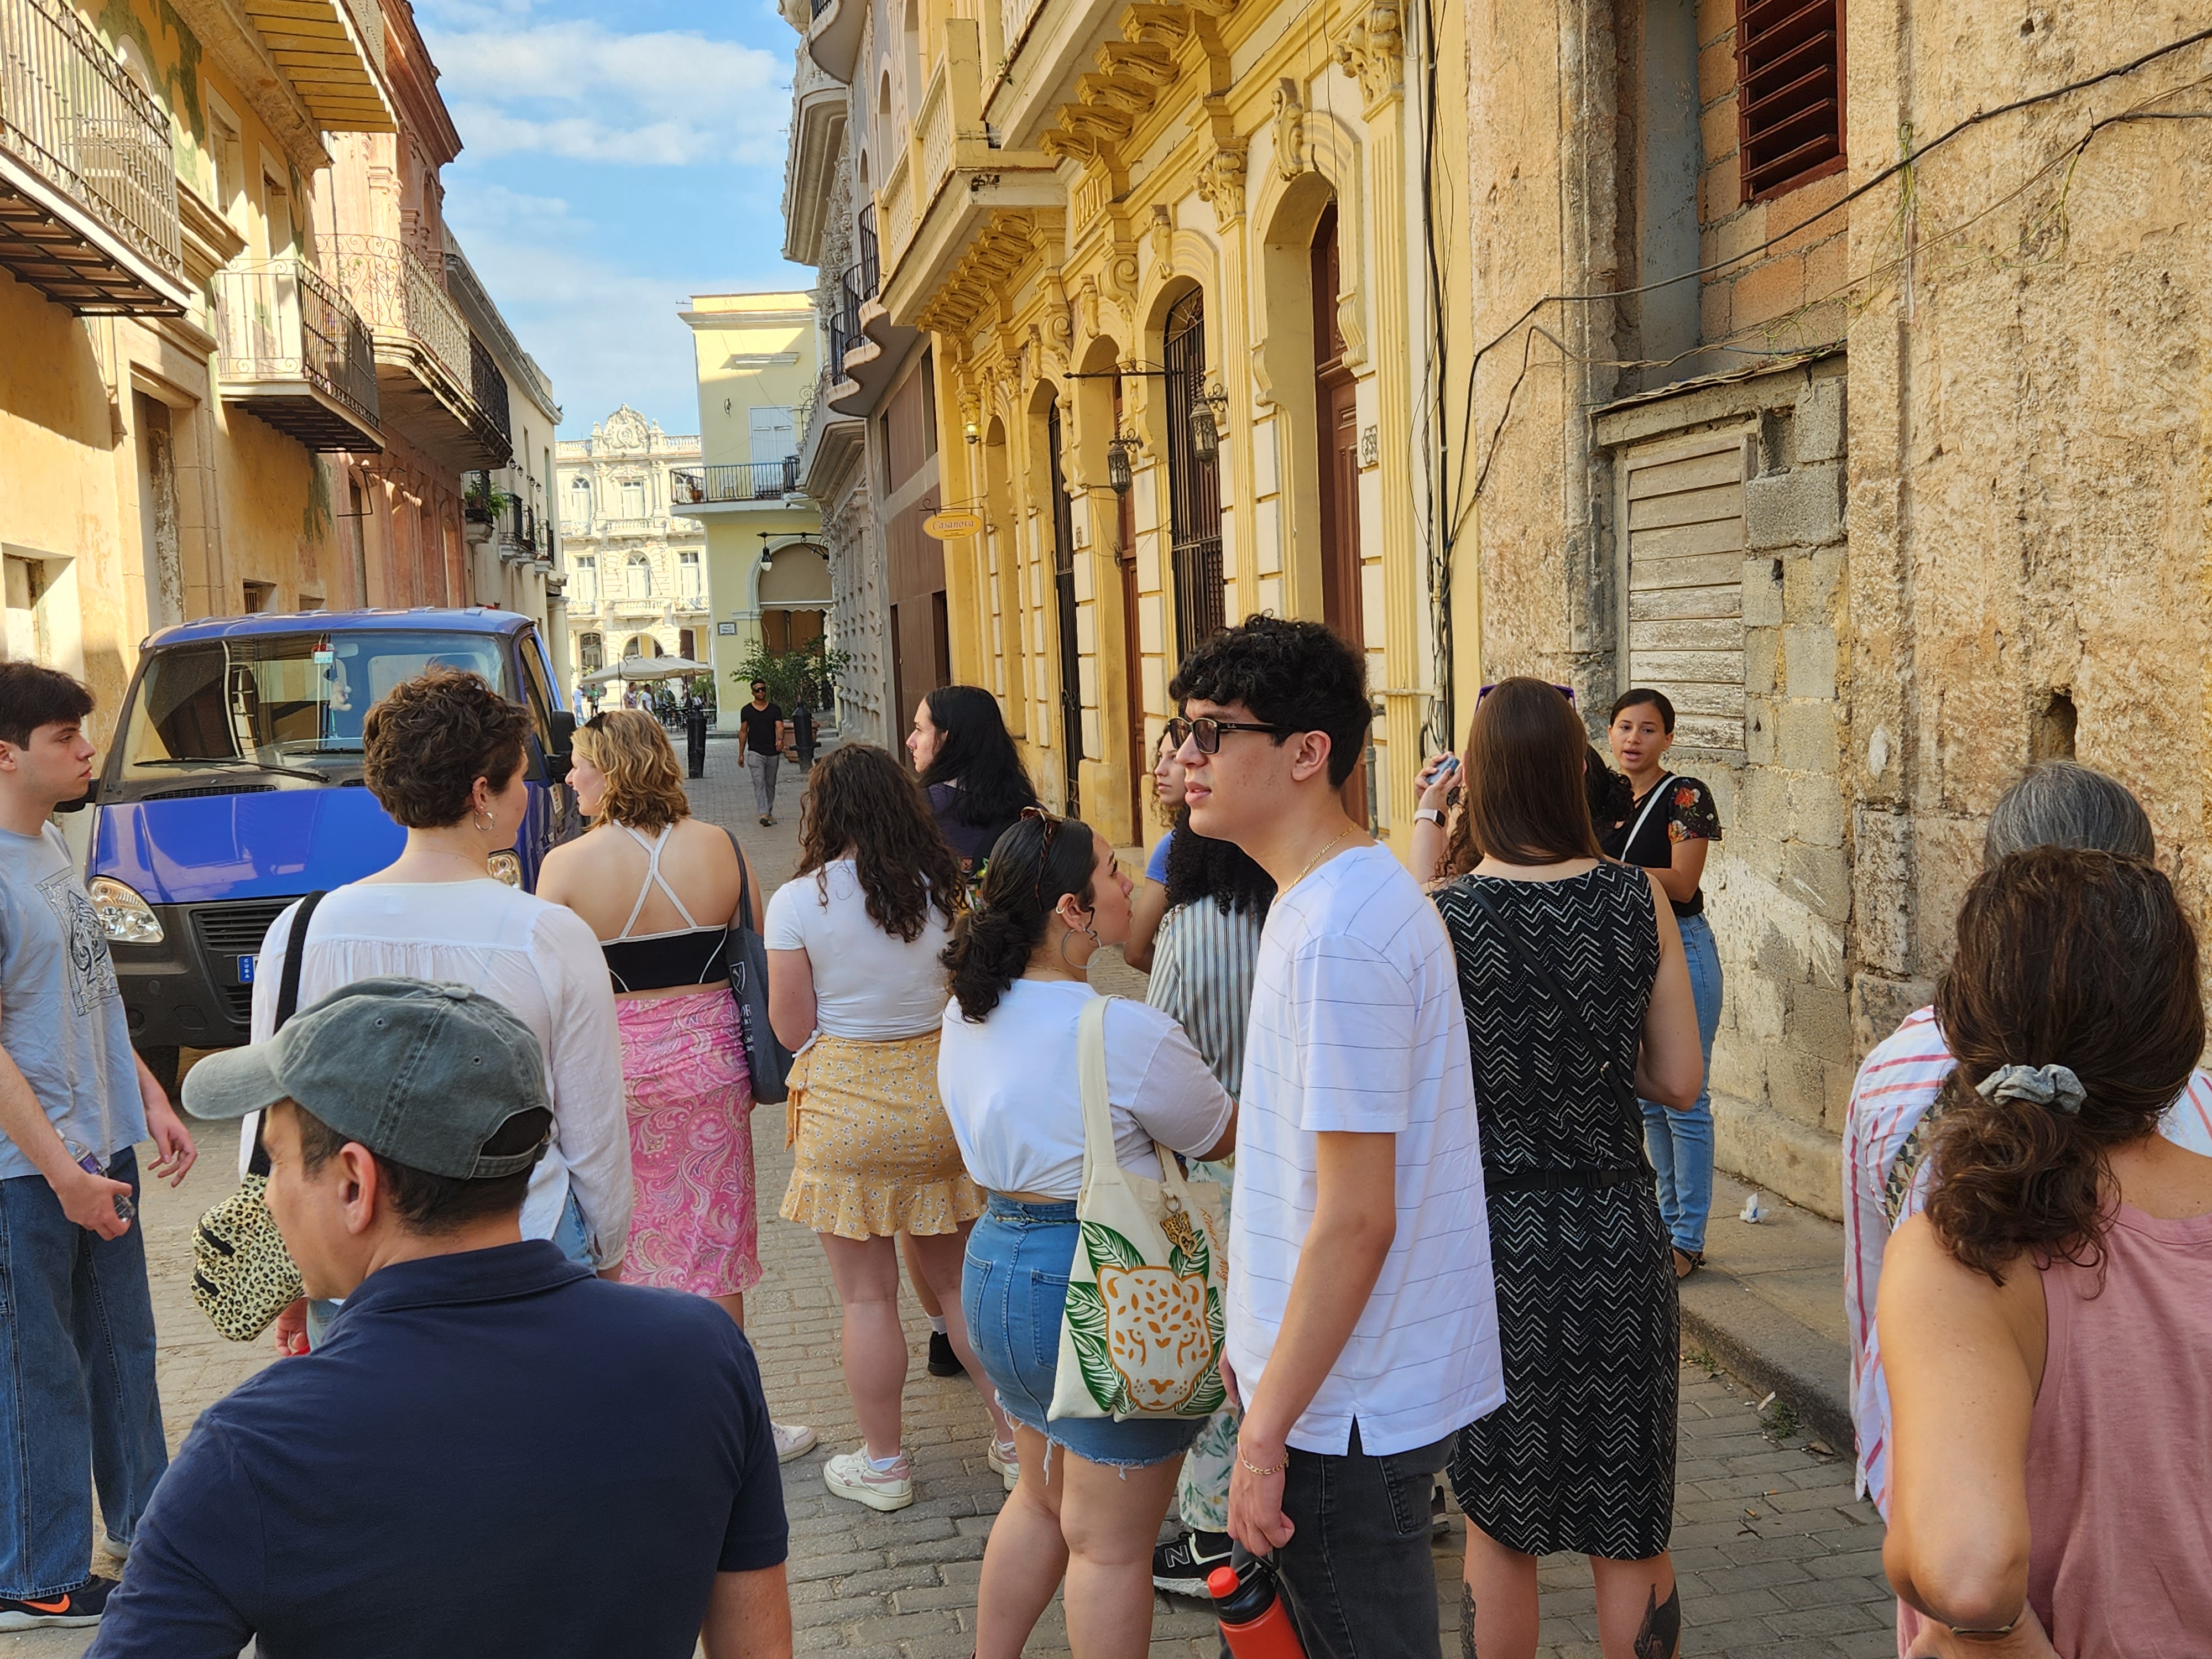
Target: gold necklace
(1315,861)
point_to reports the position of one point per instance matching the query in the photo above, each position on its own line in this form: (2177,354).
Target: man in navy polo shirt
(495,1453)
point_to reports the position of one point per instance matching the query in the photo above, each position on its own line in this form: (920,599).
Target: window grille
(1193,488)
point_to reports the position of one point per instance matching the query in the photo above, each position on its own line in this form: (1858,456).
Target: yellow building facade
(1187,271)
(767,570)
(225,385)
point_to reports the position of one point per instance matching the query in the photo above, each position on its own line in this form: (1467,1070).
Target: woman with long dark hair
(1572,976)
(966,760)
(1202,960)
(1008,1069)
(2045,1324)
(857,990)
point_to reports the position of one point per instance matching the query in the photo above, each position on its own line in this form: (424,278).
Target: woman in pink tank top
(2047,1324)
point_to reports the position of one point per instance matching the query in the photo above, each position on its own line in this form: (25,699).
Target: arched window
(1193,488)
(687,575)
(591,651)
(640,579)
(587,581)
(580,502)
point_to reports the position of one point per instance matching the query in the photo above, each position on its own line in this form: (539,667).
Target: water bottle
(88,1161)
(1254,1623)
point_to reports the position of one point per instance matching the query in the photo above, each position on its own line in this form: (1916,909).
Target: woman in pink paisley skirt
(660,888)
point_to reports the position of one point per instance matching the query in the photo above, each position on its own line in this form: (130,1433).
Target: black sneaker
(1439,1517)
(943,1362)
(81,1606)
(1179,1567)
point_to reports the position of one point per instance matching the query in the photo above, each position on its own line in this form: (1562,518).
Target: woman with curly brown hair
(444,754)
(856,988)
(2046,1324)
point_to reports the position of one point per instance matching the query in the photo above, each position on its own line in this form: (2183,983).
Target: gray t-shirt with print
(61,1015)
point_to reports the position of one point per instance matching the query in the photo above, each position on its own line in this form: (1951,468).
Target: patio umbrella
(647,668)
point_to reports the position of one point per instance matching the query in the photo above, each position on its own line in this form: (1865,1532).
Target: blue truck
(233,785)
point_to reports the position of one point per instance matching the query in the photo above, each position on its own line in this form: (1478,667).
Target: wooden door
(1125,559)
(1071,662)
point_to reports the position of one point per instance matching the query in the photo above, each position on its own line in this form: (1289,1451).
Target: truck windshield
(277,699)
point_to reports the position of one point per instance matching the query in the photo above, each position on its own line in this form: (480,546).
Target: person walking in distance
(1668,826)
(1362,1330)
(493,1438)
(1898,1099)
(444,754)
(857,991)
(78,1404)
(660,891)
(763,733)
(1092,1490)
(1574,984)
(2044,1321)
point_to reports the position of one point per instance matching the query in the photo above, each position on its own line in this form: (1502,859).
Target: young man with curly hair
(77,1319)
(1363,1331)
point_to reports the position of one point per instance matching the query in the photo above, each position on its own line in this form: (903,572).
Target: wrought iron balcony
(870,268)
(847,334)
(88,176)
(291,351)
(742,484)
(427,368)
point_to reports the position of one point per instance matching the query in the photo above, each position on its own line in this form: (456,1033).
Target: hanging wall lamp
(1208,410)
(1117,462)
(768,554)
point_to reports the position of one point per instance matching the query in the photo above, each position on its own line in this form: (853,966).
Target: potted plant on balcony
(482,508)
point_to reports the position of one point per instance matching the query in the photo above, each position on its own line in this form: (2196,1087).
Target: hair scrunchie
(2055,1086)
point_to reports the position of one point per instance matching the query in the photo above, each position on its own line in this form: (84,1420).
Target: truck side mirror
(560,741)
(90,797)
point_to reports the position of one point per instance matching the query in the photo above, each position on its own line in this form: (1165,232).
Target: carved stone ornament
(1373,52)
(1221,186)
(1162,231)
(624,429)
(1086,307)
(1290,130)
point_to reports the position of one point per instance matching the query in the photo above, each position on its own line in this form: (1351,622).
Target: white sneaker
(791,1440)
(1006,1461)
(853,1474)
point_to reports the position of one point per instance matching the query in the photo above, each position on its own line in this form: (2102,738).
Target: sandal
(1687,1262)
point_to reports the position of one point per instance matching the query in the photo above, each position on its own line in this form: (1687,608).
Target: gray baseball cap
(419,1073)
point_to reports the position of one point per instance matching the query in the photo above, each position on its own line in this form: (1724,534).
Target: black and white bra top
(689,955)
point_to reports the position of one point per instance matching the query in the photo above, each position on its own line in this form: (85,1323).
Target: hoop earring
(491,822)
(1087,932)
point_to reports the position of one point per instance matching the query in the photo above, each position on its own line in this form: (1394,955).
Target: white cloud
(576,91)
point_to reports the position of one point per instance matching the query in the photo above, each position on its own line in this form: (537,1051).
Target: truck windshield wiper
(234,764)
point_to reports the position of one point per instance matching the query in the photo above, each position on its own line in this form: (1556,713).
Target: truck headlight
(505,866)
(127,919)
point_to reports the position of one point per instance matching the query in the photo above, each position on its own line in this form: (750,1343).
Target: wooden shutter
(1788,93)
(1681,523)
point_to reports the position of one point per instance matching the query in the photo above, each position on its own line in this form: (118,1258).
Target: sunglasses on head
(1566,691)
(1044,847)
(1206,732)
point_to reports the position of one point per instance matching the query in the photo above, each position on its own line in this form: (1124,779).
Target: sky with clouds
(615,159)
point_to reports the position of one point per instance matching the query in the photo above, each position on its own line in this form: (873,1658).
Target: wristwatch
(1431,814)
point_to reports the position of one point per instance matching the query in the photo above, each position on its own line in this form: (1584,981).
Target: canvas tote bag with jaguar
(1141,1335)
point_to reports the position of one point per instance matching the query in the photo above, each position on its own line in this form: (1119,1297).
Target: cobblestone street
(1777,1559)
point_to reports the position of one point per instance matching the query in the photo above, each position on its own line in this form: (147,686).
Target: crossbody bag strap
(1658,792)
(288,1004)
(1623,1089)
(744,916)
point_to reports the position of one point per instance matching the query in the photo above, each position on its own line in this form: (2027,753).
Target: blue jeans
(1013,1291)
(77,1386)
(1682,1143)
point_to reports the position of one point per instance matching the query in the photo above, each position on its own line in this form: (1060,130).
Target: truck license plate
(245,970)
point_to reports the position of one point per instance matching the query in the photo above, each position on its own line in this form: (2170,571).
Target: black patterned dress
(1581,1457)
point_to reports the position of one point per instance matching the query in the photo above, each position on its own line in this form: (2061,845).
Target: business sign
(725,628)
(952,527)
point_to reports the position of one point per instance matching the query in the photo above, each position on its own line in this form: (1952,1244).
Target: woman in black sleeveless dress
(1581,1457)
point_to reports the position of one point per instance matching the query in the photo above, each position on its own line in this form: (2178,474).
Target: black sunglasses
(1206,731)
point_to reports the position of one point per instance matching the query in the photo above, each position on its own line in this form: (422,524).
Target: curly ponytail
(1030,869)
(2084,960)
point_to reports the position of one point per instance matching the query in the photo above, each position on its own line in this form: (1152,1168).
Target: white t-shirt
(536,959)
(869,985)
(1011,1087)
(1357,1027)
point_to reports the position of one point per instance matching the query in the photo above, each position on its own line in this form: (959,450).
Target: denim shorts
(1012,1291)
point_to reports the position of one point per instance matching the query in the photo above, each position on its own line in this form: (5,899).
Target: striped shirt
(1202,975)
(1893,1093)
(1357,1028)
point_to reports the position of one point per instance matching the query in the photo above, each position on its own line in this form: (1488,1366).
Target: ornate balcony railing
(278,323)
(849,294)
(397,294)
(488,387)
(870,267)
(744,481)
(71,114)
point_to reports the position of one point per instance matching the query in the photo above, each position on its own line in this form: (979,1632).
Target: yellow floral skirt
(875,1153)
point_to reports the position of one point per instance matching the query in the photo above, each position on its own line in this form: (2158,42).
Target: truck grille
(238,929)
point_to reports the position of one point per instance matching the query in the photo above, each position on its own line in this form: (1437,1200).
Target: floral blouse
(1687,814)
